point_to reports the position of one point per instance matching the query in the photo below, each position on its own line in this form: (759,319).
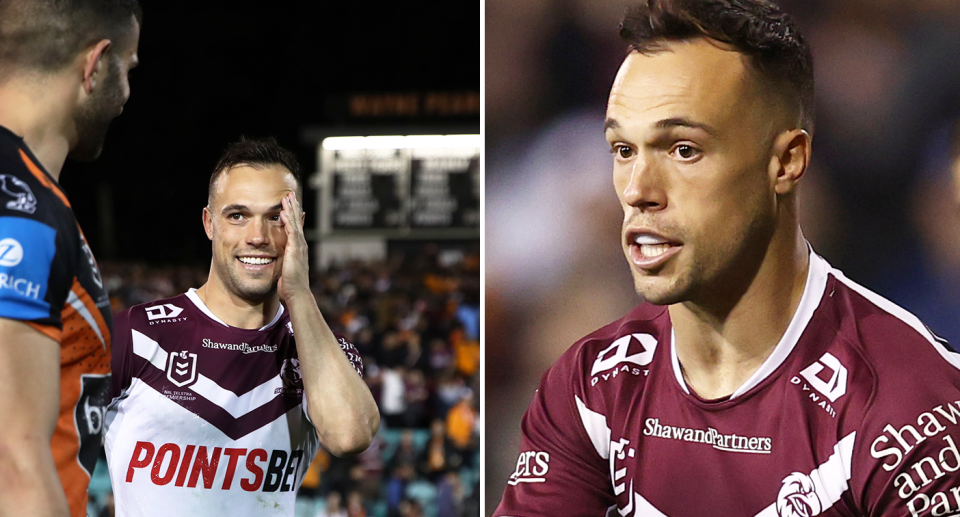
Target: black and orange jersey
(50,280)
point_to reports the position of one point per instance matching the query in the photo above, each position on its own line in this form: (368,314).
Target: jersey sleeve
(352,354)
(908,458)
(28,250)
(561,469)
(122,350)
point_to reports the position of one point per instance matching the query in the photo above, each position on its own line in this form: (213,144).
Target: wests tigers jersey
(855,413)
(207,419)
(50,280)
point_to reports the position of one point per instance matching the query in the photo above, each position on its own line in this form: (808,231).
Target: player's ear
(208,222)
(94,65)
(789,159)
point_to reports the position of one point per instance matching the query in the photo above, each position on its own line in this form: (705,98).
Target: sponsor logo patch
(11,252)
(261,471)
(24,200)
(239,347)
(27,248)
(88,414)
(617,359)
(725,442)
(164,311)
(827,376)
(931,461)
(826,382)
(532,467)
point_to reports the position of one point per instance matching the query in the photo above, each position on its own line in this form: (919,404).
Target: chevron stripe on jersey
(207,419)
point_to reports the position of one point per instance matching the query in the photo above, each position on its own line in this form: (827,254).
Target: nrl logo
(182,368)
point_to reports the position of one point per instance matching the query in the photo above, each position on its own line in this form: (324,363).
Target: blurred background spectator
(877,201)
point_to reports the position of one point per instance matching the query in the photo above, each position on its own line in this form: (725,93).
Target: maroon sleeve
(351,352)
(559,471)
(120,350)
(907,461)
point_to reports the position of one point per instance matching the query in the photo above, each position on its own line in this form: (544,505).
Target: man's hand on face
(295,275)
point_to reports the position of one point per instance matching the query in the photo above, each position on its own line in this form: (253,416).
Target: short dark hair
(46,35)
(257,153)
(758,29)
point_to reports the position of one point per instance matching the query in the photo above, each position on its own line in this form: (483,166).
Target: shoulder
(26,189)
(895,345)
(907,437)
(611,360)
(156,314)
(632,339)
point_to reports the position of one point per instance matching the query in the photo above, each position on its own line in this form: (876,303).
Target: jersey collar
(813,290)
(192,296)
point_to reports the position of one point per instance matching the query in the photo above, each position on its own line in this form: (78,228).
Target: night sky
(210,74)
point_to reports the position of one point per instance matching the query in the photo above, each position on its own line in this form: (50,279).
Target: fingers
(290,213)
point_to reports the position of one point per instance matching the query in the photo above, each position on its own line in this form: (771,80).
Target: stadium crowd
(415,319)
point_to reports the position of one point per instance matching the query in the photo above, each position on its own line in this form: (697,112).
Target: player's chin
(257,290)
(658,290)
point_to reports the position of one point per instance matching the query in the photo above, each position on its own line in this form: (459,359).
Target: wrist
(300,297)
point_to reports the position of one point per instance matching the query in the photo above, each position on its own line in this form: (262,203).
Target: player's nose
(644,187)
(258,234)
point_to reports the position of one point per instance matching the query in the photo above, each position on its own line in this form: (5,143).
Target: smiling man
(755,379)
(222,393)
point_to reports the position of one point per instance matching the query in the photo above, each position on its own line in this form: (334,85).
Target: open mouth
(649,250)
(256,261)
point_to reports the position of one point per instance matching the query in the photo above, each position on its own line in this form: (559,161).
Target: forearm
(29,485)
(30,405)
(339,403)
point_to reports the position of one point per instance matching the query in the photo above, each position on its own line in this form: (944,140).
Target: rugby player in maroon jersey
(223,394)
(755,379)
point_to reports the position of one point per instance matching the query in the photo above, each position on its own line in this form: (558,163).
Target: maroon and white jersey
(207,419)
(855,413)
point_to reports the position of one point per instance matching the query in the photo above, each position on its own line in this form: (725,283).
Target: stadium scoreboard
(400,185)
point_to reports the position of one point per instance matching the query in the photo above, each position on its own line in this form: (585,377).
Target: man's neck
(40,111)
(235,311)
(719,350)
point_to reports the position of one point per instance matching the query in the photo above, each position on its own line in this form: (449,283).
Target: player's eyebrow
(244,208)
(666,123)
(684,122)
(236,207)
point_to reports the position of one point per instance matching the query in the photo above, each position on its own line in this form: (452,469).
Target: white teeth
(644,239)
(653,250)
(256,261)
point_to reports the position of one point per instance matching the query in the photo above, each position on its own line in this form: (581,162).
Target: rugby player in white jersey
(755,379)
(223,392)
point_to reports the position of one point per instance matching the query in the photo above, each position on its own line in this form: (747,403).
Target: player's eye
(621,151)
(235,216)
(275,217)
(686,152)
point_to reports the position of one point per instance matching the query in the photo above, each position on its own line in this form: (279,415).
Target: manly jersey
(207,419)
(50,281)
(855,413)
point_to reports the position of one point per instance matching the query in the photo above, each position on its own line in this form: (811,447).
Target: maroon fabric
(237,359)
(672,453)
